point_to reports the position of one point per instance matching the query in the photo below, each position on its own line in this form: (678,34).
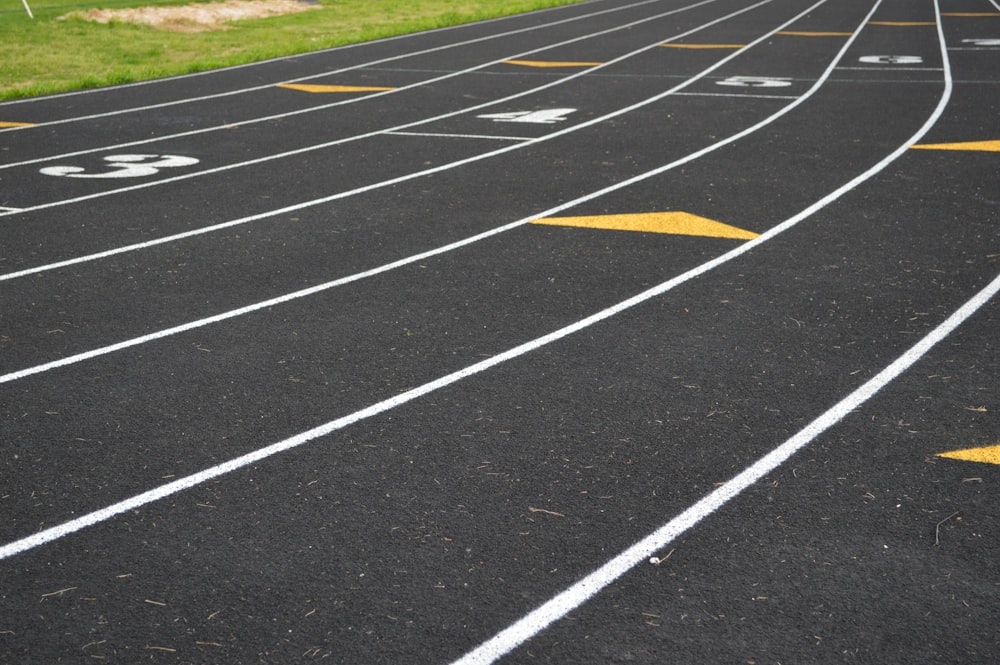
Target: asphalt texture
(289,376)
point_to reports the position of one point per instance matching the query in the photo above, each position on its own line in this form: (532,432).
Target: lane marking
(891,59)
(9,209)
(542,117)
(461,136)
(5,125)
(791,33)
(756,81)
(894,69)
(583,590)
(354,100)
(136,341)
(985,455)
(305,87)
(735,94)
(961,14)
(673,223)
(704,46)
(125,166)
(979,146)
(550,63)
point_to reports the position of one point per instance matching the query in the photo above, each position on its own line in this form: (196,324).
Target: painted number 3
(125,166)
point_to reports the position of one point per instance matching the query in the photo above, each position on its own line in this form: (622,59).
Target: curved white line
(562,604)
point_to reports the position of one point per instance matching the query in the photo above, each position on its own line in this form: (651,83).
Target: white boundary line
(310,77)
(385,183)
(355,100)
(248,309)
(576,595)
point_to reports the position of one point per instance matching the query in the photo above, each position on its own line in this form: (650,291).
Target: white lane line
(580,592)
(354,100)
(161,334)
(322,74)
(7,209)
(576,595)
(461,136)
(344,47)
(386,183)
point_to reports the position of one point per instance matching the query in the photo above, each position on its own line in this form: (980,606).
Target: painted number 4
(125,166)
(544,117)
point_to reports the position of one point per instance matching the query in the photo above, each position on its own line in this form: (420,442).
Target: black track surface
(417,531)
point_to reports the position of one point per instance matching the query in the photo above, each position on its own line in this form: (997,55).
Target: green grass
(49,54)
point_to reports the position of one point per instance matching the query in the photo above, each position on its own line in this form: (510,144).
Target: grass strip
(50,53)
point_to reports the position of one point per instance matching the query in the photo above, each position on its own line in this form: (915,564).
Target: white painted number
(891,59)
(982,42)
(126,166)
(546,117)
(756,81)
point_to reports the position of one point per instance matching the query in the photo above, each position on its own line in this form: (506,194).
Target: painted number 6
(126,166)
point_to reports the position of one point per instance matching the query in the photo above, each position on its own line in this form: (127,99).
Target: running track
(619,332)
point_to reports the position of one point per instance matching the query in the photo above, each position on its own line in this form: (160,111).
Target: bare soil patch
(198,17)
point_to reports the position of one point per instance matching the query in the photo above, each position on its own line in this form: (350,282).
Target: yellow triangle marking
(902,24)
(987,454)
(332,88)
(550,63)
(702,45)
(970,14)
(4,125)
(794,33)
(677,223)
(981,146)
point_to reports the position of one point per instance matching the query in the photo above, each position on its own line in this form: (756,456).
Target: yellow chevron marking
(901,24)
(979,146)
(698,46)
(986,455)
(677,223)
(550,63)
(793,33)
(332,88)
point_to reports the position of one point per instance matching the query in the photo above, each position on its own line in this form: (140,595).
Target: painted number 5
(756,81)
(126,166)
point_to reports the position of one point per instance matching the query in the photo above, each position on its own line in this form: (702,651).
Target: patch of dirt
(198,17)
